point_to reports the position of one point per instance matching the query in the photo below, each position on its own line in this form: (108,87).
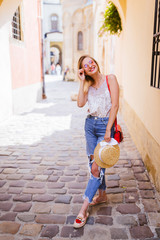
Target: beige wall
(140,101)
(67,43)
(137,65)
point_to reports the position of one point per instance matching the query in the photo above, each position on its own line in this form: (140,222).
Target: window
(16,25)
(89,1)
(80,41)
(155,70)
(54,23)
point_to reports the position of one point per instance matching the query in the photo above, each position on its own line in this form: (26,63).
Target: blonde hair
(88,80)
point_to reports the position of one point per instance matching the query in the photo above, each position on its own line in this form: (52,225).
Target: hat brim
(106,162)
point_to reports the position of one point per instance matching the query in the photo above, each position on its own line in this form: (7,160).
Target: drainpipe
(42,50)
(42,63)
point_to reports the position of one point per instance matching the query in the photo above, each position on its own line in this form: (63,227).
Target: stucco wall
(25,54)
(137,65)
(24,98)
(140,105)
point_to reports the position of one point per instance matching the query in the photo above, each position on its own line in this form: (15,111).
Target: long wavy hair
(88,79)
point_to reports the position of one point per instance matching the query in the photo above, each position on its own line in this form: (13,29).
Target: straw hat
(106,154)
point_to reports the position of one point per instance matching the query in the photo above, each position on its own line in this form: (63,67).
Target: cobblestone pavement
(43,174)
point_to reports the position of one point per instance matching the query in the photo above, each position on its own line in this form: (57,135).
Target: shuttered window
(16,25)
(80,41)
(155,69)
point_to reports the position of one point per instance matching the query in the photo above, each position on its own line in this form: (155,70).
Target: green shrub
(112,21)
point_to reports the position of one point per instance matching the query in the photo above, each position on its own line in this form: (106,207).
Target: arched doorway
(55,59)
(55,54)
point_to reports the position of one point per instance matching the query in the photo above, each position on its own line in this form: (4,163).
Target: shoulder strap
(115,122)
(108,84)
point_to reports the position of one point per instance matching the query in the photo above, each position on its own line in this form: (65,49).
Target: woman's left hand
(107,136)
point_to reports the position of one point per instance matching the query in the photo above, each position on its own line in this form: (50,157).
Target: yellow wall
(140,103)
(137,65)
(123,4)
(145,142)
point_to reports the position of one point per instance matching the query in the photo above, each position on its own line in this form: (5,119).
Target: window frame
(16,25)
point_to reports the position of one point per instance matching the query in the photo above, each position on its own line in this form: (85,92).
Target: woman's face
(89,66)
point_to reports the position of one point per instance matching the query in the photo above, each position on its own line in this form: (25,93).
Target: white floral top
(99,101)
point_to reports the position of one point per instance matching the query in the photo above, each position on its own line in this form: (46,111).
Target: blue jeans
(95,129)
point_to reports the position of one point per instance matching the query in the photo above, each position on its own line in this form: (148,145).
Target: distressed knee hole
(91,157)
(95,170)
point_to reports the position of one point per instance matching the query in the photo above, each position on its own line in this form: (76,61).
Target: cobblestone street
(44,172)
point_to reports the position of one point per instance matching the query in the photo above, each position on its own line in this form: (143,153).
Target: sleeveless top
(99,101)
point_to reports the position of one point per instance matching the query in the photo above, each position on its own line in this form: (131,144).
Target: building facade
(20,56)
(52,34)
(78,32)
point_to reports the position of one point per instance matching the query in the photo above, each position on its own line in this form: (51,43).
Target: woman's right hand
(81,74)
(82,96)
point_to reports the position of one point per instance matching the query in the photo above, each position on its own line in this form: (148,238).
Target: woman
(102,110)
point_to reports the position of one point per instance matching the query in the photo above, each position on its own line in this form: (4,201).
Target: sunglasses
(91,62)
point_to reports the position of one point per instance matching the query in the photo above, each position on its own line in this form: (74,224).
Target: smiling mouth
(92,69)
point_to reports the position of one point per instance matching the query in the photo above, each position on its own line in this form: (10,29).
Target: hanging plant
(112,21)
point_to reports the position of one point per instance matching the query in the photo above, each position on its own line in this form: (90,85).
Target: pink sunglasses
(90,62)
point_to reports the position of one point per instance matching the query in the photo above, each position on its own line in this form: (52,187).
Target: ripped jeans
(95,129)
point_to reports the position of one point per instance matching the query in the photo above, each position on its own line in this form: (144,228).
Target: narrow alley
(44,172)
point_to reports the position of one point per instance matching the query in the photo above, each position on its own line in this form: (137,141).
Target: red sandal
(80,221)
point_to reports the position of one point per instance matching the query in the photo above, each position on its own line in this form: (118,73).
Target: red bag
(118,134)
